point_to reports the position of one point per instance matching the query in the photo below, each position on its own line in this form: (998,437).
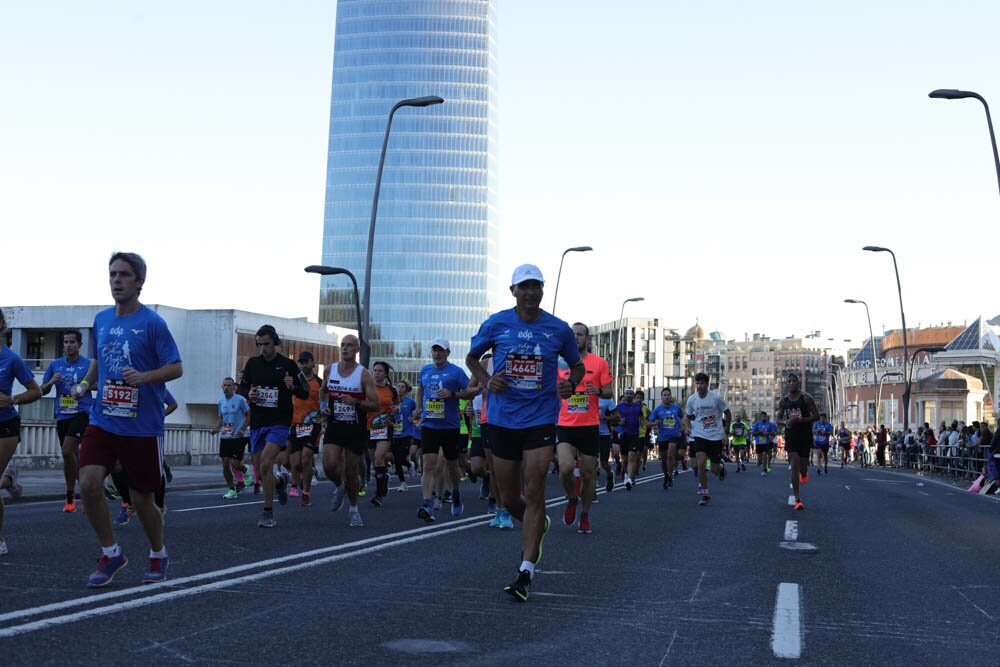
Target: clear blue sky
(727,160)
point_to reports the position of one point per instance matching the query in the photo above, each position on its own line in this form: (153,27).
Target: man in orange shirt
(304,433)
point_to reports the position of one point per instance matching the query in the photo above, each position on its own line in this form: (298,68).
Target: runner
(441,385)
(495,504)
(134,357)
(609,418)
(234,419)
(765,434)
(630,411)
(822,432)
(667,419)
(640,398)
(12,367)
(523,406)
(348,390)
(268,382)
(797,412)
(844,440)
(72,415)
(577,432)
(402,433)
(305,431)
(738,432)
(380,428)
(707,419)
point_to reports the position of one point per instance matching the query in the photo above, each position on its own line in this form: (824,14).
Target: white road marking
(798,546)
(786,637)
(216,507)
(791,530)
(698,587)
(973,603)
(791,500)
(663,660)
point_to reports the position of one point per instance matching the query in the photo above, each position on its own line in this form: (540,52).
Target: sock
(428,503)
(112,551)
(268,510)
(238,474)
(574,501)
(353,509)
(162,553)
(381,481)
(456,497)
(529,567)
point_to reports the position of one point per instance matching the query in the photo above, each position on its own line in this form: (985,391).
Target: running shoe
(484,489)
(701,491)
(763,474)
(109,492)
(293,492)
(447,497)
(456,504)
(240,486)
(569,515)
(377,501)
(799,505)
(281,487)
(362,491)
(247,471)
(628,483)
(437,504)
(338,498)
(722,473)
(541,540)
(520,586)
(584,527)
(506,522)
(15,489)
(403,488)
(491,506)
(256,488)
(70,505)
(705,500)
(3,548)
(126,513)
(767,469)
(157,570)
(355,521)
(306,499)
(666,483)
(266,520)
(168,473)
(610,486)
(496,522)
(107,566)
(230,494)
(426,514)
(804,477)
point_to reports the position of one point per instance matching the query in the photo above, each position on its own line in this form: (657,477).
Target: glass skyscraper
(435,266)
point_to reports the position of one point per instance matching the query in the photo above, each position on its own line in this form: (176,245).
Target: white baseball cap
(526,272)
(442,343)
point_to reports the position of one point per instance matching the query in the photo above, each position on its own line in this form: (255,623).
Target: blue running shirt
(441,413)
(67,407)
(12,367)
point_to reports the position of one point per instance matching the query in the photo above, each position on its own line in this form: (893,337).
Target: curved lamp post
(871,339)
(336,271)
(367,299)
(913,357)
(902,315)
(581,248)
(952,94)
(618,344)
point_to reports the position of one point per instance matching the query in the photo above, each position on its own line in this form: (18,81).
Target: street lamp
(871,339)
(336,271)
(413,102)
(932,350)
(902,315)
(893,374)
(618,344)
(951,94)
(581,248)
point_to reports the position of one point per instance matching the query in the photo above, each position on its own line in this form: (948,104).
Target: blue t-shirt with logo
(765,433)
(405,427)
(234,412)
(140,341)
(631,414)
(668,421)
(12,367)
(606,406)
(822,432)
(441,413)
(67,407)
(527,356)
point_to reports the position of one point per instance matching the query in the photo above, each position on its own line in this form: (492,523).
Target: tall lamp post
(871,339)
(618,344)
(902,315)
(367,299)
(952,94)
(336,271)
(581,248)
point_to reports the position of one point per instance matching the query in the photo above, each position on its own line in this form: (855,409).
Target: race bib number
(738,430)
(397,428)
(578,403)
(342,412)
(708,422)
(524,371)
(227,431)
(434,408)
(119,399)
(68,405)
(379,432)
(267,397)
(669,422)
(793,413)
(303,430)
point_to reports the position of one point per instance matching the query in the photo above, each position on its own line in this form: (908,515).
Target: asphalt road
(881,567)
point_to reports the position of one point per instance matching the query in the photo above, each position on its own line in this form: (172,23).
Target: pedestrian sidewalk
(50,484)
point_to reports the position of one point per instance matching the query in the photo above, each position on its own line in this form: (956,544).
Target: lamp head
(425,101)
(635,298)
(325,270)
(580,248)
(950,94)
(875,248)
(851,301)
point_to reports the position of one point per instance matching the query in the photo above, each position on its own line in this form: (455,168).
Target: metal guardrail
(183,444)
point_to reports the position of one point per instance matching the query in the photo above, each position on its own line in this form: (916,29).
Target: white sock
(112,551)
(353,509)
(162,553)
(529,567)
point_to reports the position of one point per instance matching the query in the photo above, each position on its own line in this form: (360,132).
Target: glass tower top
(434,265)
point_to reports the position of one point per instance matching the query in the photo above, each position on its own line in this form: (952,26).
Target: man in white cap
(439,388)
(524,405)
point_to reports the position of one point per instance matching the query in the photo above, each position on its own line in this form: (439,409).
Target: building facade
(435,267)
